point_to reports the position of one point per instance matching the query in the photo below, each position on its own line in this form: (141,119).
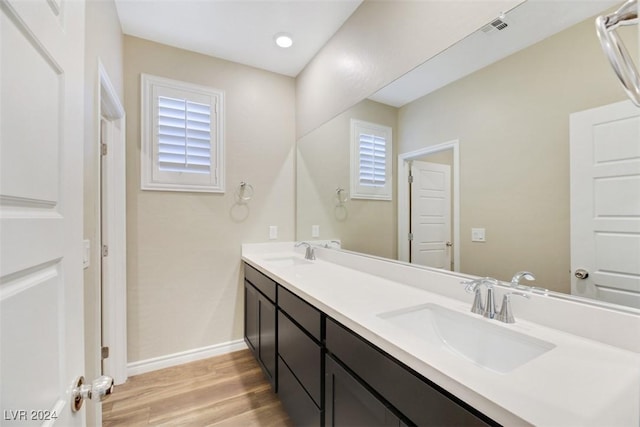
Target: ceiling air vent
(497,24)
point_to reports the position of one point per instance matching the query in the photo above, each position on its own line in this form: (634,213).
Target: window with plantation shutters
(370,160)
(373,159)
(184,136)
(182,141)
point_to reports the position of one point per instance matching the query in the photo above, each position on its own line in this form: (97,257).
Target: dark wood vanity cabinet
(325,374)
(260,320)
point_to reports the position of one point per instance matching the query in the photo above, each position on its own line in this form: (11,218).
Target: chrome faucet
(515,283)
(488,310)
(328,244)
(309,253)
(515,280)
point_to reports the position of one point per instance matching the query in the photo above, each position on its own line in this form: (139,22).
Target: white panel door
(605,203)
(431,214)
(41,129)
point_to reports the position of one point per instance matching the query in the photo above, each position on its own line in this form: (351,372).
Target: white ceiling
(241,31)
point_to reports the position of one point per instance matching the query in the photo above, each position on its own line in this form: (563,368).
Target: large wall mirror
(488,123)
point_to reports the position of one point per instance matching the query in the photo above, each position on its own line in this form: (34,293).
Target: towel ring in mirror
(244,192)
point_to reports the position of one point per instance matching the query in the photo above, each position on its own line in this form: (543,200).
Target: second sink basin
(478,340)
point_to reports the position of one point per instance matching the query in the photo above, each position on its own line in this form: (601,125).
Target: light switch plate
(478,235)
(315,231)
(273,232)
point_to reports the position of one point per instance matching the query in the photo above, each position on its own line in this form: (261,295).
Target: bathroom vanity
(347,339)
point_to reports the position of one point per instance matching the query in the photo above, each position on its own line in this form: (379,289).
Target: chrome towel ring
(244,192)
(341,196)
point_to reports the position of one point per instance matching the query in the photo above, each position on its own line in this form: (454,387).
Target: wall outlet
(315,231)
(273,232)
(478,235)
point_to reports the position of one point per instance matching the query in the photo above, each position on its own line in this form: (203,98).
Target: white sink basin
(286,261)
(476,339)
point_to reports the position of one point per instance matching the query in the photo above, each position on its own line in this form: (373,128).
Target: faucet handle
(472,285)
(506,314)
(478,305)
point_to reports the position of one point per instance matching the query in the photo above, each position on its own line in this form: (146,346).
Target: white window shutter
(370,161)
(372,155)
(182,136)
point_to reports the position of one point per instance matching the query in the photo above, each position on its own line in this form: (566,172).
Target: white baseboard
(153,364)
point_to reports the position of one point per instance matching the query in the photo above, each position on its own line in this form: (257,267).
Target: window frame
(152,178)
(363,191)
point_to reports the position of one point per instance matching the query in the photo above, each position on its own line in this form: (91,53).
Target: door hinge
(105,250)
(104,351)
(103,137)
(410,179)
(410,236)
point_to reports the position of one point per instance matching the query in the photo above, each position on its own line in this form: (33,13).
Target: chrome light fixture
(615,50)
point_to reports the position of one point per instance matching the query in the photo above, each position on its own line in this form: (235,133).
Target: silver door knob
(581,274)
(449,244)
(99,389)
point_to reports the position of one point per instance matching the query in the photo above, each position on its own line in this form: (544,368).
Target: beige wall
(512,120)
(104,42)
(381,41)
(184,268)
(323,166)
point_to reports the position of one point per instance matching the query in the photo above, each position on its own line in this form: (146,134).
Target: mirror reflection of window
(370,160)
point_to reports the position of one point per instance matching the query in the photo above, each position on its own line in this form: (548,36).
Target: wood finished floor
(228,390)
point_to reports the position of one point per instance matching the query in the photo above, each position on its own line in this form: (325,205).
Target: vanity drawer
(261,282)
(299,406)
(302,355)
(424,403)
(302,312)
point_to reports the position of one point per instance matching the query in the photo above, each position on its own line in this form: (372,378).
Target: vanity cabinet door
(260,330)
(412,395)
(349,403)
(300,407)
(267,336)
(251,317)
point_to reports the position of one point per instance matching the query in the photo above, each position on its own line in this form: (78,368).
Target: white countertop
(580,382)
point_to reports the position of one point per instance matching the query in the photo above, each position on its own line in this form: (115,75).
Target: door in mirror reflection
(431,214)
(605,203)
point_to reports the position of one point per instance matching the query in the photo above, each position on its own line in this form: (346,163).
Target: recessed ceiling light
(283,40)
